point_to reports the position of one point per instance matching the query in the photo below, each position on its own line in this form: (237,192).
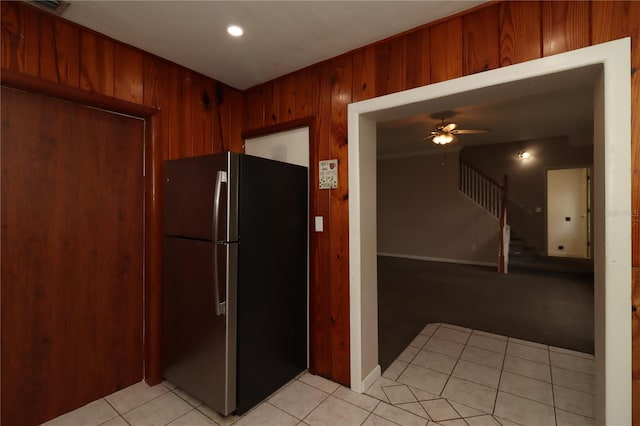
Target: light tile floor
(448,376)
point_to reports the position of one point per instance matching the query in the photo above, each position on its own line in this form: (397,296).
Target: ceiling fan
(445,133)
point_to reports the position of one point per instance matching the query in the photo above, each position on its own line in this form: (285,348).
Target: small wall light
(523,155)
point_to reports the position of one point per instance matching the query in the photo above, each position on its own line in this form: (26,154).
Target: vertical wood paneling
(307,89)
(416,58)
(389,66)
(96,63)
(287,98)
(156,94)
(635,339)
(321,353)
(180,141)
(255,106)
(202,115)
(221,113)
(611,20)
(19,38)
(565,26)
(59,51)
(480,40)
(520,32)
(235,104)
(446,50)
(272,103)
(128,70)
(364,73)
(635,416)
(635,323)
(341,81)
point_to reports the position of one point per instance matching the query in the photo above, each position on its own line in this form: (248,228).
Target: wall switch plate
(319,224)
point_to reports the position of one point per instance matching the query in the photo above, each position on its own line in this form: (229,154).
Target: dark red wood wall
(493,35)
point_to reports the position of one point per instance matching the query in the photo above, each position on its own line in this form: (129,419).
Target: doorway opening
(568,212)
(607,64)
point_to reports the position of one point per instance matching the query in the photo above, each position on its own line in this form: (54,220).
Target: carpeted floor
(552,308)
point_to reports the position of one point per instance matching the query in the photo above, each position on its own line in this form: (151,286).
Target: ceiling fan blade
(449,127)
(468,131)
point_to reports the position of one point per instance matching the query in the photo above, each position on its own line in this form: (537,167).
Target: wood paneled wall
(40,45)
(188,114)
(494,35)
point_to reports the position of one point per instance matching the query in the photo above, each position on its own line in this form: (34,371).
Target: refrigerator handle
(221,178)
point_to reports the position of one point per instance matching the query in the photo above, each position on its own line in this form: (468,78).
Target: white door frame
(612,212)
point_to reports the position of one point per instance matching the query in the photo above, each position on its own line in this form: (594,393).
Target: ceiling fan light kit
(443,138)
(444,133)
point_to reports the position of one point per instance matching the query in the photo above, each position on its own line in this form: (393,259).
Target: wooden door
(71,255)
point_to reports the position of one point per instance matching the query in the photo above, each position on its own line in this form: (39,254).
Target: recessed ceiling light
(235,30)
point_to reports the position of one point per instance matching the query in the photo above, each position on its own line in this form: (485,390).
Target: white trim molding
(608,67)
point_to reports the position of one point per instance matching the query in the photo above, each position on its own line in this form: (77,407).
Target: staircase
(519,251)
(492,197)
(513,250)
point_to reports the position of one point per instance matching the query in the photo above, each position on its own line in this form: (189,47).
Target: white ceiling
(284,36)
(280,36)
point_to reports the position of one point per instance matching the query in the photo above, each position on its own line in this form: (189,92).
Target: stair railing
(492,197)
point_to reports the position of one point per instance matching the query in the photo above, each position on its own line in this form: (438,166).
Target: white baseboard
(370,379)
(439,259)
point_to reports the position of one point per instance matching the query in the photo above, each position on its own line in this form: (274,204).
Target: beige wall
(527,178)
(422,214)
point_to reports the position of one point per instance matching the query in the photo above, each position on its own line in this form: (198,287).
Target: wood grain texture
(272,103)
(389,66)
(202,112)
(32,39)
(307,91)
(96,63)
(179,109)
(417,58)
(611,20)
(446,50)
(565,26)
(235,105)
(520,32)
(128,73)
(635,322)
(59,51)
(71,291)
(20,50)
(364,73)
(156,94)
(341,90)
(255,107)
(287,98)
(320,343)
(480,40)
(635,416)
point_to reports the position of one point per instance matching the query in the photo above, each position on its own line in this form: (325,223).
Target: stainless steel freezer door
(199,345)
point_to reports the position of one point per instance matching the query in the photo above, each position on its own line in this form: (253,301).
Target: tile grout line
(504,357)
(553,393)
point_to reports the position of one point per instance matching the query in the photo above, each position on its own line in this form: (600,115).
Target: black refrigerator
(235,277)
